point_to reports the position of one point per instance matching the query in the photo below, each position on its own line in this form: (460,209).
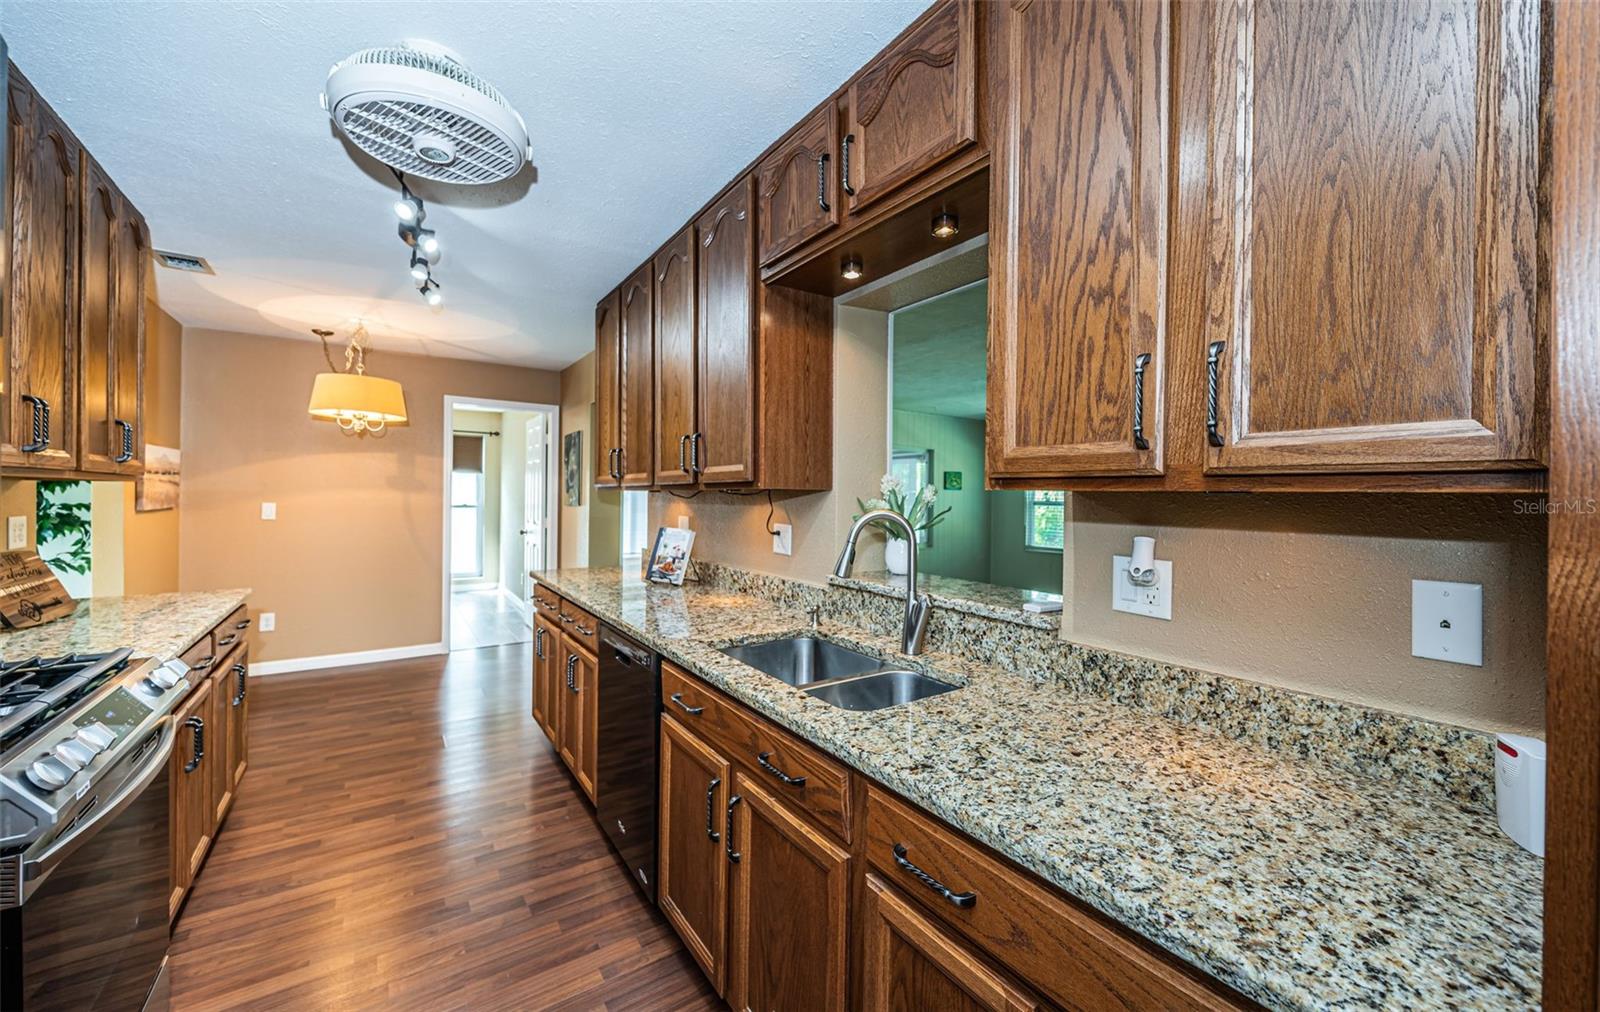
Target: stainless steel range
(84,829)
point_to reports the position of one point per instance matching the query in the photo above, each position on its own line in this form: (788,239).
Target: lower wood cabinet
(566,682)
(909,962)
(789,917)
(579,691)
(193,817)
(546,648)
(693,864)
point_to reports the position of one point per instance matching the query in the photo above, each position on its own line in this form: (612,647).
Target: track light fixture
(419,268)
(409,207)
(424,244)
(430,292)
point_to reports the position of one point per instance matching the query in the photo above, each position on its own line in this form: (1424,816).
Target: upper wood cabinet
(608,391)
(637,416)
(111,339)
(727,327)
(913,106)
(1077,254)
(41,389)
(128,351)
(1374,189)
(675,374)
(796,186)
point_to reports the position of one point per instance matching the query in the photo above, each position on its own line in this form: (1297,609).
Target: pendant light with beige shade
(361,404)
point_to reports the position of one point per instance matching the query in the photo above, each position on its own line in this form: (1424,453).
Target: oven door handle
(34,870)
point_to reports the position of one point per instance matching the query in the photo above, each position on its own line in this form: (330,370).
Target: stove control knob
(164,678)
(97,736)
(49,773)
(74,755)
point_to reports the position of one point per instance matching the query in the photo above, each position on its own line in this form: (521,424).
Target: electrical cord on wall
(771,507)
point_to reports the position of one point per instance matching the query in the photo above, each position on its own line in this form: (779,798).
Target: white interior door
(535,495)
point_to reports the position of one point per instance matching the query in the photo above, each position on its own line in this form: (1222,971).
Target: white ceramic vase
(896,556)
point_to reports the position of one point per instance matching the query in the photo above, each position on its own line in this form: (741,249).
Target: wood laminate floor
(405,838)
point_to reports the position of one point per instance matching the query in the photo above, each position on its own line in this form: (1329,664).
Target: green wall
(961,541)
(1010,563)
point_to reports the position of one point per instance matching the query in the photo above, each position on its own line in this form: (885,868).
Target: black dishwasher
(627,724)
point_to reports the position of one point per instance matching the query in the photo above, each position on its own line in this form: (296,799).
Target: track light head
(419,269)
(427,241)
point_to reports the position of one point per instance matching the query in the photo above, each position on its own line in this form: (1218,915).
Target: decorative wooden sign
(30,594)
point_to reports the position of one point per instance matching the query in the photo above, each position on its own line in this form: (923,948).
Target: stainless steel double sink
(836,674)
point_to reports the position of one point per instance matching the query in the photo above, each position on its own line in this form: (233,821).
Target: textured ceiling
(940,349)
(206,114)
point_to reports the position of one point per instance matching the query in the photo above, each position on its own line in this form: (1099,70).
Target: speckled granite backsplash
(1456,762)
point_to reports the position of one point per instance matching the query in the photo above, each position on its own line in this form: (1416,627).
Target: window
(915,469)
(466,519)
(1045,521)
(635,524)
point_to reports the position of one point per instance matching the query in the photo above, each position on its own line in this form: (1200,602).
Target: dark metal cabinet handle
(1140,362)
(617,468)
(197,727)
(572,664)
(228,640)
(581,630)
(822,181)
(844,165)
(963,900)
(761,760)
(242,624)
(683,442)
(40,417)
(205,662)
(693,711)
(239,673)
(538,642)
(711,793)
(727,830)
(694,452)
(127,442)
(1213,368)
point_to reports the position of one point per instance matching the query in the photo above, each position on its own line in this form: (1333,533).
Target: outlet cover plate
(16,533)
(267,621)
(1152,602)
(1447,621)
(783,541)
(269,511)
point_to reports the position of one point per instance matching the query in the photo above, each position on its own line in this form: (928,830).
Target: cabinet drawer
(1059,947)
(230,632)
(796,772)
(546,600)
(202,657)
(582,626)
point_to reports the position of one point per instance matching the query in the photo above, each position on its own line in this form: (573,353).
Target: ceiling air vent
(183,262)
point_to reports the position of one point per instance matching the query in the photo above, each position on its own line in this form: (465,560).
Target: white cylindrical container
(1142,563)
(1519,763)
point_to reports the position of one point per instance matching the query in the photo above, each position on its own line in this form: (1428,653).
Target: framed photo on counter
(669,559)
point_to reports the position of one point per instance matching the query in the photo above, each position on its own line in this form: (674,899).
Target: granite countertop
(1301,886)
(986,599)
(154,625)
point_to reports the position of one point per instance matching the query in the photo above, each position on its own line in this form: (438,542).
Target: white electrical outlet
(267,621)
(16,533)
(683,523)
(1153,601)
(783,540)
(269,511)
(1447,621)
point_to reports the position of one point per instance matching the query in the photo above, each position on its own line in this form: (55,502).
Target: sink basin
(801,660)
(879,689)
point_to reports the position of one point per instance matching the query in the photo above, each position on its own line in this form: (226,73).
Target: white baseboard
(351,659)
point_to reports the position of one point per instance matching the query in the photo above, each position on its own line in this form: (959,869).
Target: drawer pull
(693,711)
(844,165)
(582,630)
(822,182)
(39,414)
(1213,368)
(205,662)
(1140,362)
(727,830)
(780,774)
(538,642)
(239,671)
(228,640)
(242,624)
(126,453)
(711,793)
(197,729)
(572,663)
(966,901)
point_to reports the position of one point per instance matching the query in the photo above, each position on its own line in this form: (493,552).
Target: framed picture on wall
(572,467)
(157,487)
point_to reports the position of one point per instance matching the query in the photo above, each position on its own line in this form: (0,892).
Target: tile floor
(485,618)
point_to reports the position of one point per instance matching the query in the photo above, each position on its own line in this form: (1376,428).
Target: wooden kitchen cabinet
(913,106)
(608,380)
(676,413)
(727,324)
(111,341)
(45,187)
(1374,290)
(695,783)
(547,658)
(238,683)
(193,817)
(1077,242)
(911,963)
(789,911)
(797,186)
(579,698)
(128,353)
(219,735)
(637,416)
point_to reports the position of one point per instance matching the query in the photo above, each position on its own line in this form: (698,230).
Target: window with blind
(1045,521)
(466,507)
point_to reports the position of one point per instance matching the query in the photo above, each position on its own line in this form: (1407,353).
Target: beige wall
(591,531)
(19,497)
(354,561)
(732,530)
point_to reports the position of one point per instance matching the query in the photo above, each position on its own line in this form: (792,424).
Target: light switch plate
(683,523)
(267,621)
(269,511)
(1447,621)
(783,541)
(1152,602)
(16,533)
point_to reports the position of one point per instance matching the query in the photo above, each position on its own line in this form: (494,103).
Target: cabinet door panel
(128,435)
(694,867)
(607,395)
(727,337)
(97,321)
(1078,260)
(547,657)
(913,106)
(1374,191)
(638,380)
(219,747)
(587,679)
(191,792)
(911,964)
(797,187)
(673,268)
(44,289)
(790,909)
(238,718)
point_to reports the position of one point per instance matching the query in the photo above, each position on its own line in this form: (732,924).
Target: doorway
(500,517)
